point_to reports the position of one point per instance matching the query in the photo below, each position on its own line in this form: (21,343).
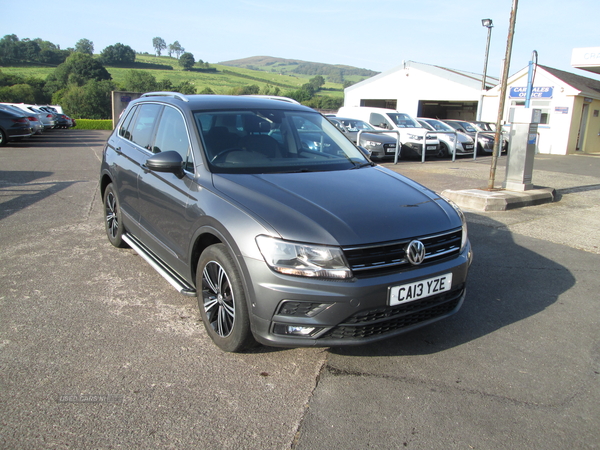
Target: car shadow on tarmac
(23,190)
(63,139)
(507,283)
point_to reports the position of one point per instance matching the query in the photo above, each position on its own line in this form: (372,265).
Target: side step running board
(169,274)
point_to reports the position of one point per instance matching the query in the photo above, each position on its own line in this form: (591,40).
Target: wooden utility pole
(504,82)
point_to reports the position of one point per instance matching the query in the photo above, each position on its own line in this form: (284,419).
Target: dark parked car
(264,210)
(379,145)
(490,129)
(13,126)
(65,121)
(34,120)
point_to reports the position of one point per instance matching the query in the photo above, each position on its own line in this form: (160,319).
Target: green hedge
(91,124)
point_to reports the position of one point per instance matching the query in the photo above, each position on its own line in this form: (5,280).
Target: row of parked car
(439,137)
(20,121)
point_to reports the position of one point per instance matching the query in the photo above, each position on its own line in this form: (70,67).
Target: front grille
(377,259)
(383,320)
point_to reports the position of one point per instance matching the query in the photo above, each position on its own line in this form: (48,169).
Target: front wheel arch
(222,299)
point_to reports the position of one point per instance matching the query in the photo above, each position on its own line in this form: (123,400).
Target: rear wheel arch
(105,180)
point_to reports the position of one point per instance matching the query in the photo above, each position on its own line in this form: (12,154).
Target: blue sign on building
(537,92)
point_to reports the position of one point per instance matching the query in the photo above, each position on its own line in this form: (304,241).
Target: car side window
(143,130)
(377,120)
(125,129)
(172,135)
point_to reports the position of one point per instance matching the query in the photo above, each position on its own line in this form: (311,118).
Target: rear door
(131,146)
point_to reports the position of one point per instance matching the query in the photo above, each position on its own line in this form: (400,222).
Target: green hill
(335,73)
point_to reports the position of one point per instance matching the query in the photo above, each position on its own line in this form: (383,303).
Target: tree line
(81,84)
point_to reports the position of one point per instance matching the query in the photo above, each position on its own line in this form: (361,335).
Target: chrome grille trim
(388,255)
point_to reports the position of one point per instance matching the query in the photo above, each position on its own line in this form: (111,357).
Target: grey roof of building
(583,84)
(458,76)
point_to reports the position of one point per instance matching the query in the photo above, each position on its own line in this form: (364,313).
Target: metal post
(454,146)
(504,83)
(489,24)
(424,151)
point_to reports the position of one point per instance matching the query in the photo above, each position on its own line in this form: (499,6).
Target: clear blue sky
(371,34)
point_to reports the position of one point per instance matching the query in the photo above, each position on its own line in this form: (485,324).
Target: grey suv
(286,233)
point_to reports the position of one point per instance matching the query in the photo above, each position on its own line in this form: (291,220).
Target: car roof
(221,102)
(348,118)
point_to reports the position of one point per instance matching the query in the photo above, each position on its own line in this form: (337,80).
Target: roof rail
(274,97)
(176,95)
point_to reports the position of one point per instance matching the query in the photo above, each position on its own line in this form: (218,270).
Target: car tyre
(3,138)
(222,300)
(112,218)
(443,152)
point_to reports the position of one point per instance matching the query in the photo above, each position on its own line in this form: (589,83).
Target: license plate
(420,289)
(391,150)
(431,147)
(468,147)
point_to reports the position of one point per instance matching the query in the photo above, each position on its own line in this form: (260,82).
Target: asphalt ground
(98,351)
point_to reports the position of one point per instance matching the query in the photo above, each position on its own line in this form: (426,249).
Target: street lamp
(489,25)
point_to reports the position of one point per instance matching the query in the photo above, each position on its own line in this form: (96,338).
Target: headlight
(464,239)
(306,260)
(372,144)
(416,137)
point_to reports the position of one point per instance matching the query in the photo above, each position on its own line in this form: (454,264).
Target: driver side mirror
(169,161)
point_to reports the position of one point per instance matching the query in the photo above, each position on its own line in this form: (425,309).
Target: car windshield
(271,141)
(464,125)
(356,125)
(438,126)
(404,120)
(480,126)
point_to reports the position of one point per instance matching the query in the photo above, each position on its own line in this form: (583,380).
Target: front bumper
(417,149)
(347,312)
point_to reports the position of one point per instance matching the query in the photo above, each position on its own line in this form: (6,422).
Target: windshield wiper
(359,166)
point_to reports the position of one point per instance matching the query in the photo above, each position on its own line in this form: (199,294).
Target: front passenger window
(172,135)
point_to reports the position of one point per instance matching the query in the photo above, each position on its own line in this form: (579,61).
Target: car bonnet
(349,207)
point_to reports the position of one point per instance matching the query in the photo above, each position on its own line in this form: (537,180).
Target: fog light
(294,330)
(302,331)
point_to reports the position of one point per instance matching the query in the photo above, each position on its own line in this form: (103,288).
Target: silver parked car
(265,212)
(464,143)
(485,141)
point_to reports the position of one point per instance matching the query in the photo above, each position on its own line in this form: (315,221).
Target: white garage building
(421,90)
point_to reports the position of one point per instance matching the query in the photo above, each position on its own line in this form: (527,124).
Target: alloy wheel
(111,215)
(218,299)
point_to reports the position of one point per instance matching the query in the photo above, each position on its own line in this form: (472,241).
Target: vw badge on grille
(415,252)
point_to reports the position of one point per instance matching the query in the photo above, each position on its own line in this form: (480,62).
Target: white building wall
(407,85)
